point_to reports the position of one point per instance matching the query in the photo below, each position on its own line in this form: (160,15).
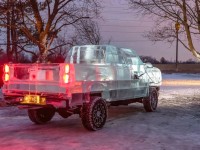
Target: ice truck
(92,78)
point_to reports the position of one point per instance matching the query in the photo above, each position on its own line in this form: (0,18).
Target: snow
(174,126)
(181,76)
(178,79)
(1,96)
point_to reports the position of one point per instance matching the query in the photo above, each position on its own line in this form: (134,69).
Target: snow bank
(181,76)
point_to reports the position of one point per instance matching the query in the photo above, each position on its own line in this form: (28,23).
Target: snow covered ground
(1,96)
(177,79)
(174,126)
(181,76)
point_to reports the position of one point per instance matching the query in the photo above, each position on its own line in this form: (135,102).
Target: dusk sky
(125,29)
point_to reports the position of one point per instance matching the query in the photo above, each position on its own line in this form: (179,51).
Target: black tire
(94,114)
(42,115)
(150,103)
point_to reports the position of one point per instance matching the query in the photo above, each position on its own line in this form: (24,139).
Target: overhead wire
(127,32)
(122,20)
(136,26)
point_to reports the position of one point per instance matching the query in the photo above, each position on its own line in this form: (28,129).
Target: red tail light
(6,75)
(67,68)
(6,69)
(66,74)
(66,78)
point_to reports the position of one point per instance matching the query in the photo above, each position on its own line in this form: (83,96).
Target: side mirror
(148,65)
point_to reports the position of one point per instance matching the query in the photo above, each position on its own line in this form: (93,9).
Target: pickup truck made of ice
(92,78)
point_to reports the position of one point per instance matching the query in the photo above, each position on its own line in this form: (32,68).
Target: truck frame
(92,78)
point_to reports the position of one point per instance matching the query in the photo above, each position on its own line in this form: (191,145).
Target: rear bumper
(55,100)
(51,100)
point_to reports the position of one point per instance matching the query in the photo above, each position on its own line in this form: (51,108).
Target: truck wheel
(94,114)
(42,115)
(150,103)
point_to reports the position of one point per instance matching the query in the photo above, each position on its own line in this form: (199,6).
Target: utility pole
(177,26)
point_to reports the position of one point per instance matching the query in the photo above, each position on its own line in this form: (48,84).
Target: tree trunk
(14,34)
(9,57)
(43,52)
(188,33)
(198,13)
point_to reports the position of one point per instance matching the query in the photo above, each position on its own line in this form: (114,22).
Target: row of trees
(46,29)
(165,61)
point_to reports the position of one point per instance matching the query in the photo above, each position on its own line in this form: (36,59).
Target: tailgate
(34,78)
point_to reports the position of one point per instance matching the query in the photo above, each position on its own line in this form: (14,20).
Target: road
(174,126)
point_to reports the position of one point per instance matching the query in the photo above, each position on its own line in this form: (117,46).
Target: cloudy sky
(125,29)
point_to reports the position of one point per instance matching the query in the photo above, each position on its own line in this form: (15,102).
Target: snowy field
(181,76)
(174,126)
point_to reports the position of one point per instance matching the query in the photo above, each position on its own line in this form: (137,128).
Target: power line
(117,12)
(111,4)
(128,20)
(116,7)
(3,44)
(130,41)
(129,32)
(132,26)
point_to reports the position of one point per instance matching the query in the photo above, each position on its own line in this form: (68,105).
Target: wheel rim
(42,114)
(153,100)
(45,114)
(99,115)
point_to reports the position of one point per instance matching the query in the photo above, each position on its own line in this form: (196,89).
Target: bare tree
(41,22)
(168,13)
(3,58)
(60,50)
(1,52)
(87,32)
(83,32)
(14,41)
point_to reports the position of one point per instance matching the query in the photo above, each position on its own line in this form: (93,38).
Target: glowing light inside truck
(67,68)
(66,75)
(6,77)
(66,78)
(6,73)
(6,69)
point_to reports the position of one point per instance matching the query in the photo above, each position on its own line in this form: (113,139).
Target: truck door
(124,74)
(138,83)
(111,59)
(122,80)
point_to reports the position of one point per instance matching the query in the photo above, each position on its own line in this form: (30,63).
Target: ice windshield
(132,57)
(86,54)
